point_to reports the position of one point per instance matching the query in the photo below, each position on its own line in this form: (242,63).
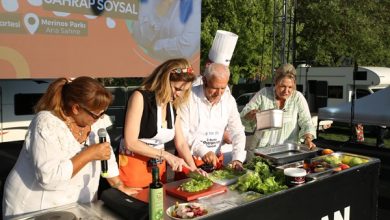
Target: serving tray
(286,153)
(310,176)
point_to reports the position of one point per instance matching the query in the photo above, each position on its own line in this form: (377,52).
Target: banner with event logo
(101,38)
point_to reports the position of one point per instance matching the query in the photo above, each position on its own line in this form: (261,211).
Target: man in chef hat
(211,109)
(223,47)
(221,50)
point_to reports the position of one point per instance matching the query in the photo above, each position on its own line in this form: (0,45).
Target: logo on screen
(31,21)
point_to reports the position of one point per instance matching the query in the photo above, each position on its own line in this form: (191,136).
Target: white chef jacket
(42,175)
(167,36)
(199,111)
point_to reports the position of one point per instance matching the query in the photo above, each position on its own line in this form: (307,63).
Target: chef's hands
(237,165)
(200,171)
(176,163)
(210,158)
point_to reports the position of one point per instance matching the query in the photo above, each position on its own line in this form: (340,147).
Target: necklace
(76,130)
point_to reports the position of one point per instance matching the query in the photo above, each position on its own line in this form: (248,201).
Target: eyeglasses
(93,115)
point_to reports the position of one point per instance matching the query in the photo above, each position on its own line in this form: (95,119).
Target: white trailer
(17,98)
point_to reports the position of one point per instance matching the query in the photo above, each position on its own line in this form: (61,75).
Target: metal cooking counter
(349,194)
(90,211)
(225,201)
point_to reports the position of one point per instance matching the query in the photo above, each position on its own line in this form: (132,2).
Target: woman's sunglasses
(93,115)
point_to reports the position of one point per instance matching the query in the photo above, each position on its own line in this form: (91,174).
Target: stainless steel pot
(269,119)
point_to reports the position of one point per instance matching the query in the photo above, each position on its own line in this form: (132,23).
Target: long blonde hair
(63,93)
(160,80)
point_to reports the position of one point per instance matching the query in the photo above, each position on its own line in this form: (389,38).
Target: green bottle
(156,196)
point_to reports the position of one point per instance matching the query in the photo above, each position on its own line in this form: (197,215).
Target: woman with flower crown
(151,121)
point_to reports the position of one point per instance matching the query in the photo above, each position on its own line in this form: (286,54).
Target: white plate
(172,208)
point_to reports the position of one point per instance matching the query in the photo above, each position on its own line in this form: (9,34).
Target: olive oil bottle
(156,196)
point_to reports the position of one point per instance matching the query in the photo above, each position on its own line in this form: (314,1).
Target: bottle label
(156,204)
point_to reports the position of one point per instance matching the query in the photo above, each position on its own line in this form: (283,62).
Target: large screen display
(101,38)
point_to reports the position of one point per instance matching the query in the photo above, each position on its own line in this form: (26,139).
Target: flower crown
(188,70)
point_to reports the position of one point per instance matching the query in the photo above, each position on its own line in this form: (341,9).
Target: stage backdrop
(101,38)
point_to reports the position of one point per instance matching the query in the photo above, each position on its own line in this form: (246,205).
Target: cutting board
(172,189)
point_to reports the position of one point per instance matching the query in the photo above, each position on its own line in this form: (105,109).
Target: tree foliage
(329,32)
(251,20)
(335,31)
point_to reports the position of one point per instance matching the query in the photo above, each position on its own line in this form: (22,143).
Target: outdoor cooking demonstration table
(349,194)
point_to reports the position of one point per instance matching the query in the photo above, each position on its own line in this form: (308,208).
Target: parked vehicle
(243,99)
(330,86)
(17,99)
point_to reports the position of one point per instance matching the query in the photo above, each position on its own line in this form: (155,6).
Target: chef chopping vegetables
(211,110)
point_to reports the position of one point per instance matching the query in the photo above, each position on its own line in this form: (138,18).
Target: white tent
(373,109)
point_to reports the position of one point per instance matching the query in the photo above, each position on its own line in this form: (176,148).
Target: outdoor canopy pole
(352,135)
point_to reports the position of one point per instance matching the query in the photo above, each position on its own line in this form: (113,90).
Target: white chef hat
(223,47)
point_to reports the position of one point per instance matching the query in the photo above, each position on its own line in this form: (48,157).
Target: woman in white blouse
(59,163)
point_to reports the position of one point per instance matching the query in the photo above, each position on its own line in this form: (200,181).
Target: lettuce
(196,185)
(261,179)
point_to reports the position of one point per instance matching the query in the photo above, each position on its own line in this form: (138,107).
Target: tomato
(344,166)
(327,151)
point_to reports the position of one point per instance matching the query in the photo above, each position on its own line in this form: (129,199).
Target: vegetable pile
(226,173)
(196,184)
(263,179)
(335,162)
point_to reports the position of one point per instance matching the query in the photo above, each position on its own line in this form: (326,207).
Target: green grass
(341,132)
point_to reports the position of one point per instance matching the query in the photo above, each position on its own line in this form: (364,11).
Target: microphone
(102,133)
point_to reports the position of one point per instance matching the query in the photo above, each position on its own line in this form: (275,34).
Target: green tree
(251,20)
(333,31)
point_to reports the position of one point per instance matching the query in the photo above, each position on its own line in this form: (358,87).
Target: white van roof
(382,72)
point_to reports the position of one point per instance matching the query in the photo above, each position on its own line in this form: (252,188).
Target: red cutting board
(172,189)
